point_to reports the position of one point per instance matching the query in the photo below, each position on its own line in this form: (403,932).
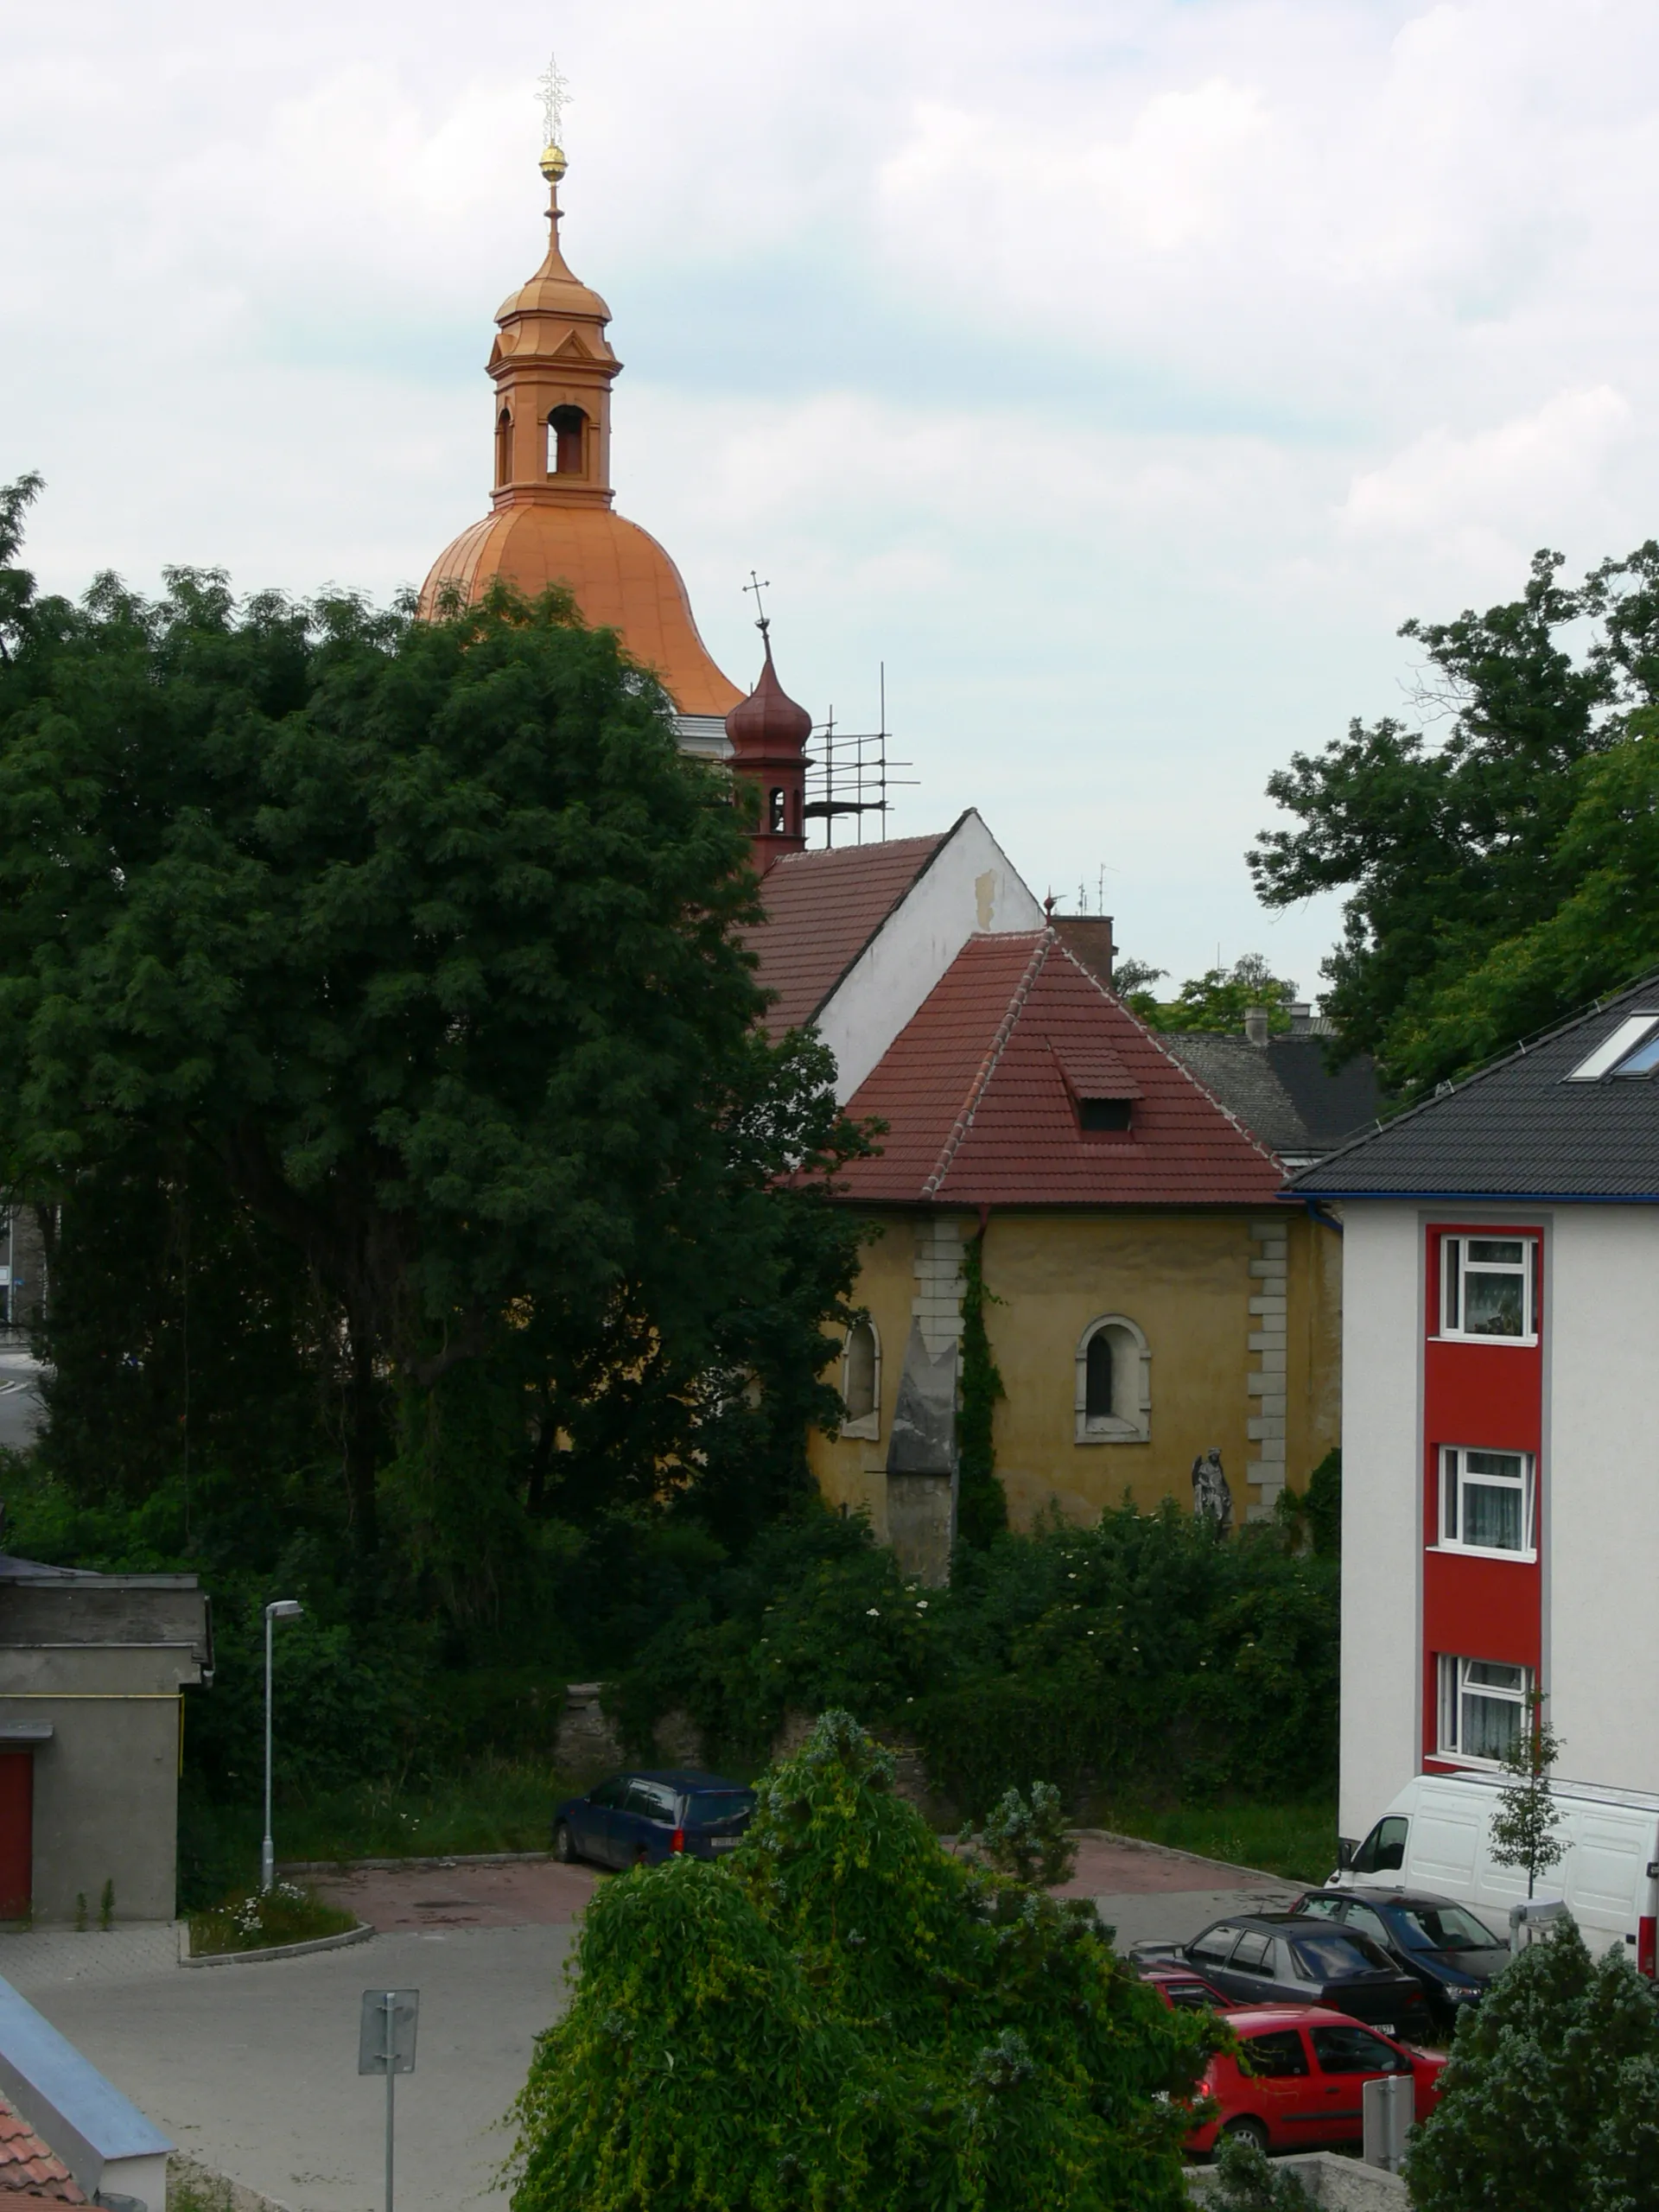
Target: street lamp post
(283,1609)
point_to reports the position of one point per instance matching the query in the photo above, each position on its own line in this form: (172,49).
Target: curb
(361,1933)
(395,1866)
(1198,1858)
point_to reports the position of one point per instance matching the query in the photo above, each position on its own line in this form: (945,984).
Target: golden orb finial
(553,164)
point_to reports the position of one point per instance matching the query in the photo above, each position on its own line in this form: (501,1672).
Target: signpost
(386,2045)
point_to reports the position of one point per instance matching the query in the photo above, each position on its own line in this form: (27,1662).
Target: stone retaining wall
(1343,2184)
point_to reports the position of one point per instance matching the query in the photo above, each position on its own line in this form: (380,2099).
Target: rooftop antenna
(554,90)
(852,773)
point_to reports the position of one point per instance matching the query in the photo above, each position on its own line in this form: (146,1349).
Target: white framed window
(860,1379)
(1114,1383)
(1486,1288)
(1482,1707)
(1487,1502)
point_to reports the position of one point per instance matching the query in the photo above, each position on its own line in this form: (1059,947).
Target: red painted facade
(1485,1396)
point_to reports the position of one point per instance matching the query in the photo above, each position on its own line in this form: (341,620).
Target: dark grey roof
(1282,1091)
(1517,1129)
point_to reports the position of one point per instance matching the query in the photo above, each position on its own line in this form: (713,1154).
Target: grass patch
(1298,1842)
(260,1918)
(497,1804)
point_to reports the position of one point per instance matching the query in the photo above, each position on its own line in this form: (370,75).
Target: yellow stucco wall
(1186,1280)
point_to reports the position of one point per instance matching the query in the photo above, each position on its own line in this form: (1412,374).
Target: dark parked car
(1268,1958)
(640,1818)
(1451,1953)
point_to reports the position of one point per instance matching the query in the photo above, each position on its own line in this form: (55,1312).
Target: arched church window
(779,826)
(566,428)
(1097,1376)
(860,1379)
(1114,1383)
(503,446)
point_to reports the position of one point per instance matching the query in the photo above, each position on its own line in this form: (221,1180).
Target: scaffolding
(849,774)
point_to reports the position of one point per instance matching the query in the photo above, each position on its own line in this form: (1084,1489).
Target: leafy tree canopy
(843,2015)
(415,944)
(1500,872)
(1219,998)
(1551,2094)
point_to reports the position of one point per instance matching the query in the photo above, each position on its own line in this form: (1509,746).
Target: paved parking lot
(253,2068)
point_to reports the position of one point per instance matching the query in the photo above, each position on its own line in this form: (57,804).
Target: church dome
(622,578)
(551,518)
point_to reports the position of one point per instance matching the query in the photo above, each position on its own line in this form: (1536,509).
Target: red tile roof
(823,908)
(28,2169)
(975,1093)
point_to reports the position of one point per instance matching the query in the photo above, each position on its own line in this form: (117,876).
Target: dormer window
(566,429)
(1105,1113)
(1100,1086)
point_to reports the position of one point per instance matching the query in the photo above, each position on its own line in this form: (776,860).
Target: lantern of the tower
(551,518)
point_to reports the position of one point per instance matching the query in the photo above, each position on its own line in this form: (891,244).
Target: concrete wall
(1382,1493)
(107,1783)
(1185,1280)
(970,889)
(1600,1491)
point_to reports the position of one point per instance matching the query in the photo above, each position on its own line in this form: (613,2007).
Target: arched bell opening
(567,439)
(504,446)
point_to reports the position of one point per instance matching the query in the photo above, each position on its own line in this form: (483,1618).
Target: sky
(1121,373)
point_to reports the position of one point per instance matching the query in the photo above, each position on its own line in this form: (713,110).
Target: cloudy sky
(1122,372)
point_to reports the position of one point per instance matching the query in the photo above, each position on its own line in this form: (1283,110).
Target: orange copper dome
(551,518)
(621,577)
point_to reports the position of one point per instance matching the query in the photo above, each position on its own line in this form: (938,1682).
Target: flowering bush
(1141,1650)
(258,1919)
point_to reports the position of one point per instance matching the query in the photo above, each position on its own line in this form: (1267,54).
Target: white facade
(1601,1493)
(1599,1471)
(1382,1517)
(970,889)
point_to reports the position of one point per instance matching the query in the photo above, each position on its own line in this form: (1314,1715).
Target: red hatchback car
(1307,2068)
(1181,1989)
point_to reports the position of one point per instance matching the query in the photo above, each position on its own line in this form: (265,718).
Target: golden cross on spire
(554,90)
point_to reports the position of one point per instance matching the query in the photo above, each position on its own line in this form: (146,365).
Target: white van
(1437,1836)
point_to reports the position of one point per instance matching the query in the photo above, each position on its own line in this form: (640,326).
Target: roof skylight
(1631,1049)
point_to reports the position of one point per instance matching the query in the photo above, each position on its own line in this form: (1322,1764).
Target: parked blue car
(640,1818)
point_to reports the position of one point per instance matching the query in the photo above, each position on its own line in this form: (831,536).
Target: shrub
(1248,2182)
(260,1918)
(1143,1651)
(1028,1840)
(843,2015)
(1548,2098)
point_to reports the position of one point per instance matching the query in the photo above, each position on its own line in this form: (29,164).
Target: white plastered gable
(970,889)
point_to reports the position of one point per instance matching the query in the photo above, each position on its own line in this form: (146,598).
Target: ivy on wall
(981,1503)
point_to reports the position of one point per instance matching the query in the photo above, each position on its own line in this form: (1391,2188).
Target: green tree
(1547,2098)
(843,2014)
(1524,1825)
(420,939)
(1500,875)
(982,1501)
(1219,998)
